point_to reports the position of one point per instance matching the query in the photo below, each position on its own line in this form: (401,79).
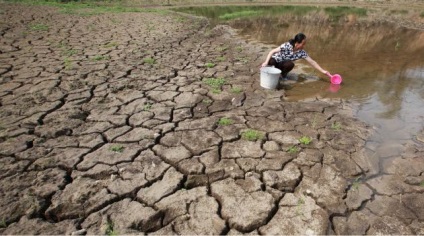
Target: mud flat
(119,123)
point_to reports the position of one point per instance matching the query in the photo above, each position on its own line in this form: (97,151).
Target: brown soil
(111,124)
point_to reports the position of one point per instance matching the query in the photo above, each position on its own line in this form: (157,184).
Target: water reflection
(382,65)
(382,68)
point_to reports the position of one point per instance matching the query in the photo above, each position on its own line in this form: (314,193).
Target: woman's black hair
(297,39)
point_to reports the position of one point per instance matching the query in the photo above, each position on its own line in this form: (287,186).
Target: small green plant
(100,58)
(356,183)
(300,202)
(210,65)
(117,148)
(422,184)
(149,60)
(293,149)
(225,121)
(236,90)
(110,45)
(222,48)
(110,231)
(422,14)
(336,126)
(69,52)
(243,60)
(68,63)
(305,140)
(239,48)
(39,27)
(147,107)
(207,101)
(215,83)
(3,223)
(216,91)
(252,135)
(220,59)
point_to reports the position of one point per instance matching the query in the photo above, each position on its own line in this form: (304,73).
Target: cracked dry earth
(95,139)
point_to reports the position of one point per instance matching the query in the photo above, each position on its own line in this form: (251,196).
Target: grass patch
(236,90)
(88,8)
(110,45)
(243,60)
(39,27)
(225,121)
(305,140)
(227,13)
(222,48)
(215,83)
(210,65)
(240,14)
(207,101)
(100,58)
(110,231)
(293,149)
(68,63)
(149,60)
(3,223)
(335,13)
(220,59)
(252,135)
(117,148)
(400,12)
(422,14)
(336,126)
(356,183)
(147,107)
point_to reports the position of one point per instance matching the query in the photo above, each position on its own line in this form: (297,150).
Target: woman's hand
(264,64)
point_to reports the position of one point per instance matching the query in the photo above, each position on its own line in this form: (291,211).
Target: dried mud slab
(113,124)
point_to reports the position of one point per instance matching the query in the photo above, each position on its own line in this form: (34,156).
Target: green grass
(236,90)
(227,13)
(68,63)
(215,83)
(252,135)
(422,14)
(147,107)
(110,45)
(117,148)
(210,65)
(222,48)
(305,140)
(100,58)
(336,126)
(207,101)
(240,14)
(3,223)
(356,183)
(88,8)
(225,121)
(149,60)
(110,231)
(293,149)
(39,27)
(336,13)
(220,59)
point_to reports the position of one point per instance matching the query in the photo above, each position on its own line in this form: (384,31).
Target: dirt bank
(152,123)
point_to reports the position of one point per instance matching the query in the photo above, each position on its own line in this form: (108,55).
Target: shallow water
(382,68)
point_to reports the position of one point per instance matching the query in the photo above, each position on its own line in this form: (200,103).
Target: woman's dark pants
(284,66)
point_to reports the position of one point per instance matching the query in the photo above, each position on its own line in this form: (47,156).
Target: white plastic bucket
(270,77)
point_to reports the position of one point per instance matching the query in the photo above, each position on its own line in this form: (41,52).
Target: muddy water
(382,68)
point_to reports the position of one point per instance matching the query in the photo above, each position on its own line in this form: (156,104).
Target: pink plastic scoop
(335,79)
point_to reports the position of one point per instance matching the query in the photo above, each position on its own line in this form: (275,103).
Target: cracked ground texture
(110,123)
